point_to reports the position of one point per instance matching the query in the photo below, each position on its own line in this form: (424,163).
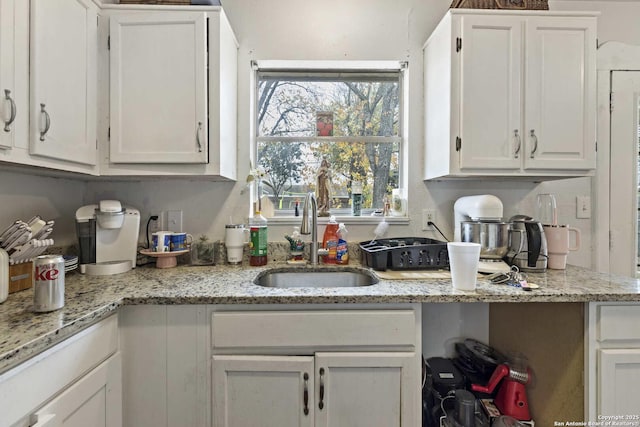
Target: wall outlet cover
(174,221)
(583,207)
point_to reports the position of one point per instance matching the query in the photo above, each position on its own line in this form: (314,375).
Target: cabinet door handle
(516,136)
(47,122)
(198,137)
(321,403)
(534,138)
(48,420)
(305,394)
(12,117)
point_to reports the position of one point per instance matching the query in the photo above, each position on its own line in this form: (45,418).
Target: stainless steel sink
(315,278)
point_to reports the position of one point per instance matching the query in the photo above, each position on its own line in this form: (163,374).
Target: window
(350,119)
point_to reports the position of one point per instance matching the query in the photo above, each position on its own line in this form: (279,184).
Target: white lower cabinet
(618,378)
(74,383)
(613,361)
(165,367)
(327,389)
(93,401)
(263,390)
(318,367)
(271,365)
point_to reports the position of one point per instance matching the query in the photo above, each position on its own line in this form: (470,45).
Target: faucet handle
(323,252)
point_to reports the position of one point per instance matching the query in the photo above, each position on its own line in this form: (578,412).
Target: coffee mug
(180,241)
(161,241)
(559,244)
(236,236)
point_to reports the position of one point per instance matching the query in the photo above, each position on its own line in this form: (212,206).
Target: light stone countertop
(89,299)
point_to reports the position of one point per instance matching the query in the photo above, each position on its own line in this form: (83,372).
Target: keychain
(513,278)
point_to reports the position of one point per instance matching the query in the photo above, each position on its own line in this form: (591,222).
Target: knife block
(20,276)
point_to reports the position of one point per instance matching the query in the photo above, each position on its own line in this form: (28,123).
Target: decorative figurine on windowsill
(296,247)
(324,181)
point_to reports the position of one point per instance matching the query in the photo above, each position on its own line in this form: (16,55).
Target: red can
(48,283)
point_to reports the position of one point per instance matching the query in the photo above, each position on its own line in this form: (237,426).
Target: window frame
(335,69)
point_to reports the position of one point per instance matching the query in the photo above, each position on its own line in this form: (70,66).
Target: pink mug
(559,244)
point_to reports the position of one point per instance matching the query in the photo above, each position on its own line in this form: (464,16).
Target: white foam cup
(463,263)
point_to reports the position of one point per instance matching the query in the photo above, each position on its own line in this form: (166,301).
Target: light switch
(583,207)
(174,221)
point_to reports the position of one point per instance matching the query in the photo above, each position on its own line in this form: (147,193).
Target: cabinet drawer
(313,329)
(618,322)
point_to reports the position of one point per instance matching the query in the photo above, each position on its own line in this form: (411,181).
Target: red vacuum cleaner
(511,398)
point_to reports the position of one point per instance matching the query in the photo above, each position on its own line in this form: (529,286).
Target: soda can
(48,283)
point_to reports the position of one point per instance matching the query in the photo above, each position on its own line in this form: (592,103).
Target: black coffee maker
(441,379)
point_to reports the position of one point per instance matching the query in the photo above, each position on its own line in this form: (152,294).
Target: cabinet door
(560,112)
(366,389)
(63,79)
(266,391)
(7,86)
(158,88)
(618,379)
(490,92)
(95,400)
(165,365)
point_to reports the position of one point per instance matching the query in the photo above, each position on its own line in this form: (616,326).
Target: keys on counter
(513,278)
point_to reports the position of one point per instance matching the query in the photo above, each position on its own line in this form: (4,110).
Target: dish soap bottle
(258,244)
(330,241)
(342,252)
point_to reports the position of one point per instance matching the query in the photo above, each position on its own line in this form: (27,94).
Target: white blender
(108,237)
(478,219)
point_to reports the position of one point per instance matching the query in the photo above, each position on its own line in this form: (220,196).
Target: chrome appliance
(528,247)
(478,219)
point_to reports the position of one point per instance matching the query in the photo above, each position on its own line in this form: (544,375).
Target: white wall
(333,29)
(618,19)
(23,196)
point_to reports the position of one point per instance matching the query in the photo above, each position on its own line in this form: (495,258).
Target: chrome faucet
(310,199)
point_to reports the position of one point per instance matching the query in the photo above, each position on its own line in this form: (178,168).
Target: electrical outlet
(155,225)
(583,207)
(174,221)
(428,215)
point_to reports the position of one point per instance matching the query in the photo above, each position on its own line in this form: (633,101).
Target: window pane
(292,168)
(291,106)
(350,118)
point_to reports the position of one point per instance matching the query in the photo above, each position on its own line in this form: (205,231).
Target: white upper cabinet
(510,94)
(8,108)
(560,93)
(159,88)
(63,80)
(170,96)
